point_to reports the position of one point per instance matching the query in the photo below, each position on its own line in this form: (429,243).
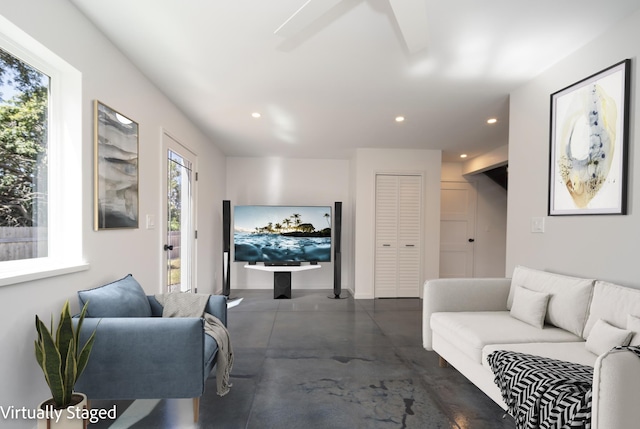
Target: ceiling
(341,71)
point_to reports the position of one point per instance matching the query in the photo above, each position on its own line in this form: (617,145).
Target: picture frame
(116,143)
(589,138)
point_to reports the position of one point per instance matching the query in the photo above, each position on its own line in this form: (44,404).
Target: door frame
(169,141)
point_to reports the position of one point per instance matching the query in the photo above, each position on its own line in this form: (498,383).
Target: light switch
(537,224)
(151,221)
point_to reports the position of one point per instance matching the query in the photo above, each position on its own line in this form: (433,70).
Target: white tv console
(282,277)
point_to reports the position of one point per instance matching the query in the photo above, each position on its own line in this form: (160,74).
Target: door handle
(168,247)
(471,240)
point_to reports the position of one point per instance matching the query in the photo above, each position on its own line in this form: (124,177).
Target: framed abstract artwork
(115,169)
(588,144)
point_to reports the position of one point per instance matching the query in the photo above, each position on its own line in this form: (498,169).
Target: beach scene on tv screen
(282,233)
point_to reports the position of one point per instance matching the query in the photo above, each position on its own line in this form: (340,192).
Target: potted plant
(62,361)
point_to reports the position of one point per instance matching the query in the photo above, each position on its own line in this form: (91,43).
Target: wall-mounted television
(282,234)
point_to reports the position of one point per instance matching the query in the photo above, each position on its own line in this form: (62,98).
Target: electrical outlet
(537,225)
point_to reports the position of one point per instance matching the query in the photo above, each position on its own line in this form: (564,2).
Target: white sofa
(464,320)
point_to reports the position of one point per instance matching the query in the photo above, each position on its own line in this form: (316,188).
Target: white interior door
(398,213)
(386,256)
(180,222)
(458,202)
(409,236)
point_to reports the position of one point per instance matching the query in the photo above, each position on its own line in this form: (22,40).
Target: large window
(24,101)
(41,175)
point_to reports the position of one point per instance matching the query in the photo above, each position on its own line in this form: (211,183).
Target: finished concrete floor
(312,362)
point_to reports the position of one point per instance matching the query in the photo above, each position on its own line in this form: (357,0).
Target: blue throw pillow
(122,298)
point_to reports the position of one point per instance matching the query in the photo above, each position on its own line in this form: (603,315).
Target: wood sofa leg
(196,409)
(442,363)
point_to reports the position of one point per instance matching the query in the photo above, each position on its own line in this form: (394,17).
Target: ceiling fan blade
(303,17)
(411,16)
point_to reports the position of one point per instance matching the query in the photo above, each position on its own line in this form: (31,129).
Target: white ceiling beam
(305,16)
(411,16)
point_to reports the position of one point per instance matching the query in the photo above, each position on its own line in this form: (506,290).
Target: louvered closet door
(398,236)
(409,234)
(386,263)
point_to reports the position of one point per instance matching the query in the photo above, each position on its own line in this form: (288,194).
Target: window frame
(65,196)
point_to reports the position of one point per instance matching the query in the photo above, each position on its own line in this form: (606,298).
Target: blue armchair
(147,356)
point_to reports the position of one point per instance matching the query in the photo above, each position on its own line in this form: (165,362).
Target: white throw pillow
(529,306)
(603,337)
(633,325)
(568,306)
(612,302)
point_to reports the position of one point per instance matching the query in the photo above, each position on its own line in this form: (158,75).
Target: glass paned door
(180,226)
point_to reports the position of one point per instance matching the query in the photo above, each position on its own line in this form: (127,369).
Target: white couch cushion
(633,325)
(603,337)
(612,303)
(570,352)
(471,331)
(570,296)
(530,306)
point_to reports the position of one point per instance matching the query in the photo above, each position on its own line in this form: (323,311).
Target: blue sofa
(145,356)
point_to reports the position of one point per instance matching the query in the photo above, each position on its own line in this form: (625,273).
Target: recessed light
(256,115)
(492,121)
(464,155)
(399,118)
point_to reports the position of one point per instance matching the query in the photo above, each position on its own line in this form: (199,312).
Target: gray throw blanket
(193,305)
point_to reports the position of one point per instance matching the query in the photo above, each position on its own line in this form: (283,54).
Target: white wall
(369,162)
(112,79)
(491,220)
(278,181)
(604,247)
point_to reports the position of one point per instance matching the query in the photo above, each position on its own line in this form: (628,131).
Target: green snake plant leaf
(83,314)
(69,374)
(83,358)
(39,355)
(38,344)
(51,364)
(65,336)
(61,359)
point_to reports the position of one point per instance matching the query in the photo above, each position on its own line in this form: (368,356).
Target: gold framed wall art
(116,143)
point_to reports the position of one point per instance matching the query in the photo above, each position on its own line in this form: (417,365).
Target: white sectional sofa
(543,314)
